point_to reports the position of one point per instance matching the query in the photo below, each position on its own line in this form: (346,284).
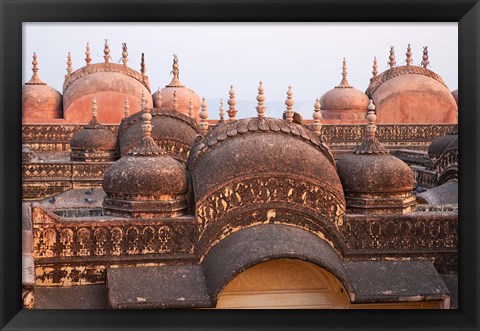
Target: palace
(136,199)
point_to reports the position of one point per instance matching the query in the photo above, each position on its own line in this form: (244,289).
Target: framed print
(204,164)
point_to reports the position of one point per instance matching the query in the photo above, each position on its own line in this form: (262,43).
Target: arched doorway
(295,284)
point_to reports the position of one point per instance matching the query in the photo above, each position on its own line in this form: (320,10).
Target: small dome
(344,103)
(147,182)
(40,101)
(93,142)
(374,181)
(443,143)
(183,95)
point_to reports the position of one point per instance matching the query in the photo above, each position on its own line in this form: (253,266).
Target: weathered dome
(111,83)
(93,142)
(373,180)
(411,94)
(147,182)
(40,101)
(183,99)
(173,131)
(344,104)
(443,143)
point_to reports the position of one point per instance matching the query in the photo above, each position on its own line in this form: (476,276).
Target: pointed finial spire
(391,58)
(425,62)
(143,69)
(124,54)
(175,104)
(94,108)
(289,103)
(409,55)
(159,98)
(203,117)
(147,124)
(176,73)
(375,67)
(88,59)
(69,64)
(35,80)
(344,83)
(106,50)
(232,102)
(261,100)
(190,107)
(371,118)
(317,117)
(143,101)
(221,111)
(126,107)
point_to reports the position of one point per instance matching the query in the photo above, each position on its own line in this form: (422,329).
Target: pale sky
(212,56)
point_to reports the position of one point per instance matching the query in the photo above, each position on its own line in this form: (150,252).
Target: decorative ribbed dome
(40,101)
(374,181)
(147,182)
(93,142)
(344,104)
(411,94)
(109,82)
(165,99)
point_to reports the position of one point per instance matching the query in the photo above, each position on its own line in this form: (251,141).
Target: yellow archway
(295,284)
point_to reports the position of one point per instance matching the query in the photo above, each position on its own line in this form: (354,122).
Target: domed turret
(443,143)
(110,83)
(40,101)
(146,182)
(374,181)
(411,94)
(344,104)
(94,142)
(184,95)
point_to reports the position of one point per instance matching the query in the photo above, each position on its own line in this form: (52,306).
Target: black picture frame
(13,13)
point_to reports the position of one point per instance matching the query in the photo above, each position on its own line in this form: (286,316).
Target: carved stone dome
(374,181)
(411,95)
(344,104)
(443,143)
(40,101)
(111,83)
(183,99)
(93,142)
(146,182)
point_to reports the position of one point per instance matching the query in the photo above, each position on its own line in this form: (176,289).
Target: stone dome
(173,131)
(374,181)
(344,104)
(183,96)
(411,94)
(40,101)
(146,182)
(93,142)
(111,83)
(443,143)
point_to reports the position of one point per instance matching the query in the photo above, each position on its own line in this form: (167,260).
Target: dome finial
(124,54)
(375,67)
(176,73)
(344,83)
(261,100)
(203,117)
(143,101)
(175,104)
(371,118)
(106,52)
(289,103)
(94,108)
(147,124)
(159,98)
(190,107)
(88,59)
(409,55)
(126,108)
(143,69)
(69,64)
(317,117)
(425,62)
(391,58)
(35,80)
(232,102)
(221,112)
